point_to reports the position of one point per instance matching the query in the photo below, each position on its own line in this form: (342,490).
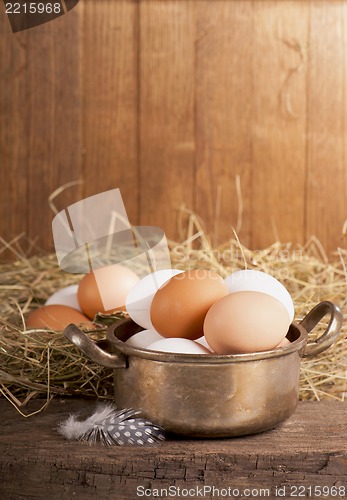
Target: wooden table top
(309,450)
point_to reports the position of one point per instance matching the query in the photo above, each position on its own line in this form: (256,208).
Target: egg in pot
(144,339)
(245,322)
(250,280)
(179,345)
(139,299)
(202,341)
(179,307)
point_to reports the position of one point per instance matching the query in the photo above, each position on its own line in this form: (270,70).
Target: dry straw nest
(43,363)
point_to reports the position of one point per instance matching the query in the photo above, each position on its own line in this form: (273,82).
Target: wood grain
(172,100)
(13,133)
(54,130)
(111,93)
(326,195)
(167,140)
(279,121)
(223,117)
(308,450)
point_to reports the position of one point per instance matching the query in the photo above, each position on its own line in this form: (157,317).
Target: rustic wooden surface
(111,100)
(166,108)
(180,102)
(36,462)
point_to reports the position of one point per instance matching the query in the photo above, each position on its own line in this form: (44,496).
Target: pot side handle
(330,334)
(92,350)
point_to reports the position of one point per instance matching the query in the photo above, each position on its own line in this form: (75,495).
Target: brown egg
(114,283)
(245,322)
(55,317)
(179,307)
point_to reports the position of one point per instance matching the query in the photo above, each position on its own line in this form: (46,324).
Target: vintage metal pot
(210,395)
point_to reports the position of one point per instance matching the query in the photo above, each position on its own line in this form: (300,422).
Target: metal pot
(210,395)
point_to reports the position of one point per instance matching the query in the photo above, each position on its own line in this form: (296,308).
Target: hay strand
(43,363)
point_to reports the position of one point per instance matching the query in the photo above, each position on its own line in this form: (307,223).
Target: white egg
(65,297)
(144,339)
(139,299)
(251,280)
(202,341)
(179,345)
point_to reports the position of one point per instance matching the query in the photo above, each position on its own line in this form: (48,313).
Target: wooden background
(179,101)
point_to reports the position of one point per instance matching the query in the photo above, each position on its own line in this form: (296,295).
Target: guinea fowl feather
(111,426)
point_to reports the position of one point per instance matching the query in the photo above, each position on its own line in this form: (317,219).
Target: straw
(37,363)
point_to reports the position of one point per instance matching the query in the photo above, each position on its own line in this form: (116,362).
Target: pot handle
(330,334)
(92,350)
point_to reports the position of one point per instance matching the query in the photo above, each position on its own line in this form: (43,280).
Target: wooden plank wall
(235,108)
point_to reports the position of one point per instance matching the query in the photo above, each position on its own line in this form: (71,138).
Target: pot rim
(212,358)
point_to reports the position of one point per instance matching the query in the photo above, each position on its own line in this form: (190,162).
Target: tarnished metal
(210,395)
(92,350)
(332,332)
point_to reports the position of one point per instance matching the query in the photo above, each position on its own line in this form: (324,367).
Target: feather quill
(110,426)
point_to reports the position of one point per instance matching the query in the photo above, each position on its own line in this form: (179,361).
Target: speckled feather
(110,426)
